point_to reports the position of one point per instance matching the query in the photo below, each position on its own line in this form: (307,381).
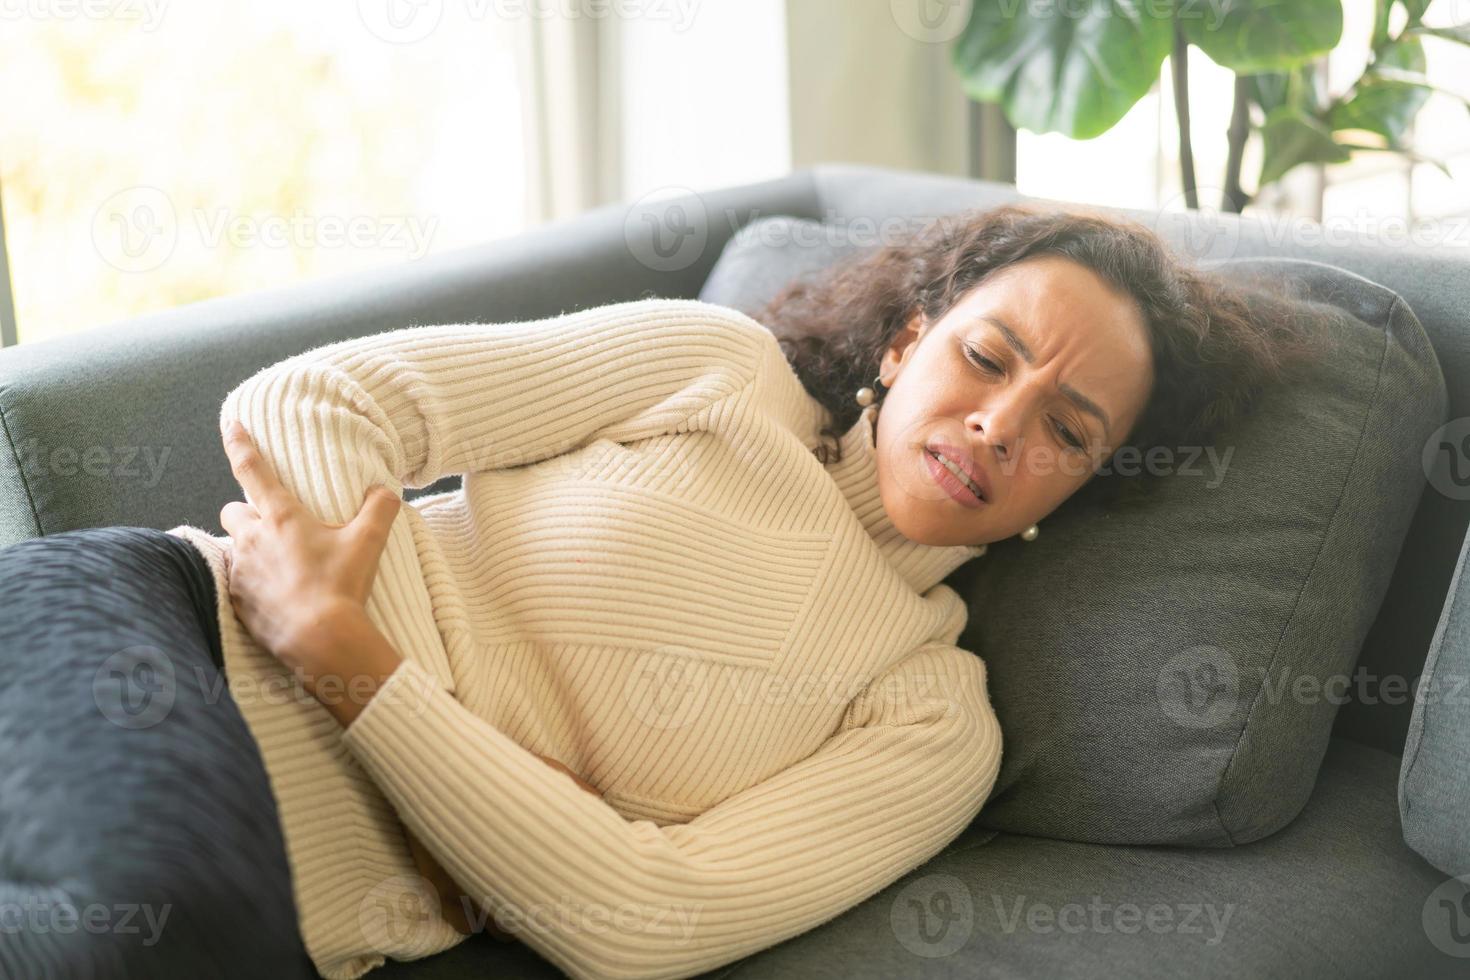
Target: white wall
(871,83)
(703,96)
(747,90)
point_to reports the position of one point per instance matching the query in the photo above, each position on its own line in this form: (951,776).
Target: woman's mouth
(952,479)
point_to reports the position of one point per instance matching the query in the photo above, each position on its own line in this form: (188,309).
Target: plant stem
(1179,65)
(1235,198)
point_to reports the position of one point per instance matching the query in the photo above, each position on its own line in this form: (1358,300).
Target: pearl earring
(866,396)
(1030,533)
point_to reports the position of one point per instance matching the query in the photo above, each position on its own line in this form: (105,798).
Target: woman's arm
(910,766)
(409,406)
(452,896)
(353,650)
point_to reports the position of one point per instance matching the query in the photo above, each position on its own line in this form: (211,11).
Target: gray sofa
(118,426)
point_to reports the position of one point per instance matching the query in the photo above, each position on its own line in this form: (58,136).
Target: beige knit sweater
(647,575)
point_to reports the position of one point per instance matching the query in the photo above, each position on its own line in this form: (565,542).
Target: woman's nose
(997,425)
(985,437)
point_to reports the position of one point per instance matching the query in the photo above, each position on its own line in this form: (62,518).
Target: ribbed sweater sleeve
(408,406)
(910,765)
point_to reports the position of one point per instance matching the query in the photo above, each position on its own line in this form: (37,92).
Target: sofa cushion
(1434,781)
(1337,894)
(1167,671)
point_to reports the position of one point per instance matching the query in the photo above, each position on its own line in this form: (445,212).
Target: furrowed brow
(1017,344)
(1077,398)
(1087,405)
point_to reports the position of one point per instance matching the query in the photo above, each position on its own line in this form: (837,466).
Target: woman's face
(1032,378)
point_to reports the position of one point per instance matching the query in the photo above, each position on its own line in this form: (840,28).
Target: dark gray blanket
(138,833)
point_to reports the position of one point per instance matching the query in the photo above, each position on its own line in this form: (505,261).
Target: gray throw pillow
(1434,777)
(766,254)
(1168,671)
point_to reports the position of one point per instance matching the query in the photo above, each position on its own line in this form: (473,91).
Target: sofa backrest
(117,424)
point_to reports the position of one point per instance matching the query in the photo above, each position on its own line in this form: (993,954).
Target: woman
(673,676)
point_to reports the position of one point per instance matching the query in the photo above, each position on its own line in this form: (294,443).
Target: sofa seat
(1334,894)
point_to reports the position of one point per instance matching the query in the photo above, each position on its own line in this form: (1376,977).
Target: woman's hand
(292,577)
(299,585)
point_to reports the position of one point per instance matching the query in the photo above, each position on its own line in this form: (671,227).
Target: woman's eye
(986,364)
(1067,436)
(981,360)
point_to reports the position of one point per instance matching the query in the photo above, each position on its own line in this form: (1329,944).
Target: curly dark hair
(1216,344)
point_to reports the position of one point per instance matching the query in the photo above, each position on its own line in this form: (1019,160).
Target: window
(154,154)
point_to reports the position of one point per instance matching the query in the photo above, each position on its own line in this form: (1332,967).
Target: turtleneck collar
(921,565)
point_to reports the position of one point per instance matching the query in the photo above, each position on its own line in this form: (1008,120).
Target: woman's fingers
(254,474)
(374,519)
(236,515)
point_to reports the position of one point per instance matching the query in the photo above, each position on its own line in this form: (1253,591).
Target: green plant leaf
(1415,9)
(1249,36)
(1063,71)
(1455,32)
(1379,106)
(1404,53)
(1385,106)
(1300,87)
(1381,10)
(1290,137)
(1409,152)
(1268,89)
(1419,79)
